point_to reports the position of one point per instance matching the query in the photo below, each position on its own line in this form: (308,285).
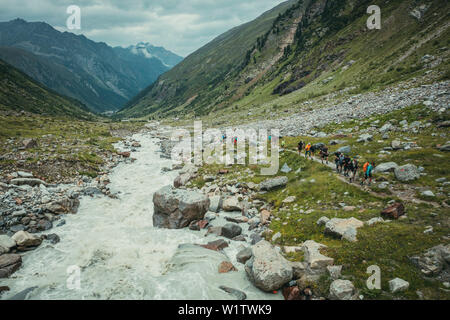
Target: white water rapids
(119,252)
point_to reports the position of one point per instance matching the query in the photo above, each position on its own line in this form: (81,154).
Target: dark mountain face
(94,73)
(20,92)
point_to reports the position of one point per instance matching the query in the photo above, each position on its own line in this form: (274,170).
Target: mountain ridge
(94,73)
(19,92)
(331,50)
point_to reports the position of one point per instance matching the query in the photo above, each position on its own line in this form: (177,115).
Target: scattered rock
(341,290)
(343,228)
(29,143)
(322,221)
(428,193)
(6,244)
(27,181)
(345,150)
(386,167)
(63,206)
(226,267)
(231,230)
(407,173)
(231,204)
(215,203)
(315,260)
(434,261)
(216,245)
(334,271)
(244,255)
(397,285)
(236,293)
(274,183)
(9,263)
(395,211)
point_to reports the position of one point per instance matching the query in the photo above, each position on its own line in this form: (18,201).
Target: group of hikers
(344,163)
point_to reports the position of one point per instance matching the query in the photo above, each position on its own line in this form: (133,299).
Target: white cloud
(180,26)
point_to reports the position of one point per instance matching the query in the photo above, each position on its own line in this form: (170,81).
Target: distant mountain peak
(149,51)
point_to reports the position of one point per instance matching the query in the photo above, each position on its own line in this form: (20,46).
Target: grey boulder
(177,208)
(268,270)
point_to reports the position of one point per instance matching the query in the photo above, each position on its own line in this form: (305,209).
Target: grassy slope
(387,245)
(66,147)
(19,92)
(323,49)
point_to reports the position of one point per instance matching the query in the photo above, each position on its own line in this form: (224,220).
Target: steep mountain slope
(148,51)
(19,92)
(195,79)
(311,48)
(75,66)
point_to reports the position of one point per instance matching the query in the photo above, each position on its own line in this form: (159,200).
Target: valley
(94,206)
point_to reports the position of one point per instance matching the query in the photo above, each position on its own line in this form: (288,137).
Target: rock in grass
(434,261)
(345,150)
(274,183)
(385,167)
(397,285)
(268,269)
(407,173)
(341,290)
(395,211)
(343,228)
(316,261)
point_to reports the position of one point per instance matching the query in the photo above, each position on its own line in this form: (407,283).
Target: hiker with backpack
(308,151)
(341,162)
(368,169)
(300,146)
(354,169)
(324,154)
(336,160)
(346,163)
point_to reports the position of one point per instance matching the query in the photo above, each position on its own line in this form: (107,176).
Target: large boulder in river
(407,173)
(177,208)
(274,183)
(267,269)
(25,240)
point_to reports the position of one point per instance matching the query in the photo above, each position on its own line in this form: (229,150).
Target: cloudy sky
(181,26)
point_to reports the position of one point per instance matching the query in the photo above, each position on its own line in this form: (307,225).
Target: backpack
(366,165)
